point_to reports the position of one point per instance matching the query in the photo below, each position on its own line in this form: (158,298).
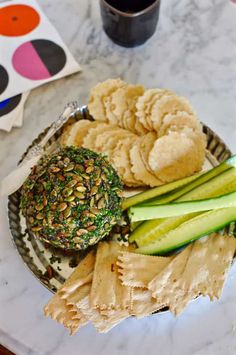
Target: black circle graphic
(9,105)
(51,54)
(4,79)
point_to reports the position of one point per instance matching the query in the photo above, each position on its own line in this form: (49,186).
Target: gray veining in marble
(193,53)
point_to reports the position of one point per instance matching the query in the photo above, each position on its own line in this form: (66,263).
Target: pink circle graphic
(38,59)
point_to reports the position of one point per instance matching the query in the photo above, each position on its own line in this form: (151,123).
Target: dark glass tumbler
(129,23)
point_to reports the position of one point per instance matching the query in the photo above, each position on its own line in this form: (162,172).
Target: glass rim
(134,14)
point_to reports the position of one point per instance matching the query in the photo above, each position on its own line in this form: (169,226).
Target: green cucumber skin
(157,191)
(214,189)
(207,176)
(151,249)
(138,213)
(181,186)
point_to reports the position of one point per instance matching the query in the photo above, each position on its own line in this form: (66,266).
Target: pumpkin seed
(81,188)
(62,206)
(67,191)
(40,215)
(70,198)
(81,232)
(94,190)
(39,207)
(89,169)
(79,195)
(101,203)
(72,183)
(37,229)
(69,167)
(55,169)
(67,212)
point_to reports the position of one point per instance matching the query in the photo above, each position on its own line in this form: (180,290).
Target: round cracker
(96,105)
(74,134)
(121,162)
(123,104)
(145,103)
(177,121)
(103,137)
(90,137)
(146,145)
(113,141)
(139,169)
(169,104)
(175,156)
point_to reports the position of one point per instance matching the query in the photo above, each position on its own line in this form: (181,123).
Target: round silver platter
(52,266)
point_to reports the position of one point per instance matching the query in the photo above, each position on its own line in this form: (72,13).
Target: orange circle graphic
(18,20)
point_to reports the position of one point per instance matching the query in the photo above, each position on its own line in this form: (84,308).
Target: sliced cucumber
(140,213)
(191,230)
(157,191)
(196,180)
(149,231)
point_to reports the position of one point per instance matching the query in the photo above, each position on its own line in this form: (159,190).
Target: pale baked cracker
(74,134)
(206,269)
(114,139)
(121,162)
(102,323)
(164,286)
(96,105)
(143,304)
(67,315)
(124,104)
(107,292)
(146,144)
(139,168)
(136,270)
(177,121)
(175,156)
(145,103)
(168,105)
(80,276)
(90,138)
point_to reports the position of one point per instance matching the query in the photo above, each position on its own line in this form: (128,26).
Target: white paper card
(31,51)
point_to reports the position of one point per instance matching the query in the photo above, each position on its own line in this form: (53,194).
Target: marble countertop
(193,53)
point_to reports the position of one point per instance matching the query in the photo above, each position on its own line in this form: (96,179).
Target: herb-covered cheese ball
(72,199)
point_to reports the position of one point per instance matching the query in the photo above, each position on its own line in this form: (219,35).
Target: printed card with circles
(31,51)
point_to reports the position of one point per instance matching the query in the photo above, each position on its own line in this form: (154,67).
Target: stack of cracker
(150,136)
(113,283)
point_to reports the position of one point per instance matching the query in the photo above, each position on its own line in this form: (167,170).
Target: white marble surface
(194,53)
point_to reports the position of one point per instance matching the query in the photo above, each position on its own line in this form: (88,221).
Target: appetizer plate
(52,266)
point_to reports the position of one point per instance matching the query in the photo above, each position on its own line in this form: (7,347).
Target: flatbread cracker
(177,121)
(139,168)
(96,105)
(138,270)
(169,104)
(62,306)
(64,314)
(144,304)
(102,323)
(206,269)
(164,286)
(107,292)
(175,156)
(80,276)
